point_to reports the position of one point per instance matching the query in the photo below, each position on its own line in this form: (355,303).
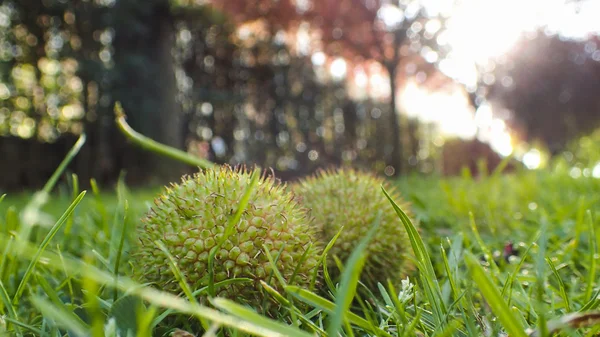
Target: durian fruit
(190,219)
(352,199)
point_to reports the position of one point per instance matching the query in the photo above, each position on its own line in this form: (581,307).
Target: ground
(470,280)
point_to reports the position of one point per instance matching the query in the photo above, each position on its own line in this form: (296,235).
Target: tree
(357,30)
(143,80)
(70,61)
(547,87)
(53,73)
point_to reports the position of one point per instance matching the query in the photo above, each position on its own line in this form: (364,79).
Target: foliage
(456,154)
(582,155)
(548,84)
(217,84)
(358,31)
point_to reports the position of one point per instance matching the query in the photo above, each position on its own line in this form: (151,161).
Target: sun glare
(532,159)
(480,30)
(391,15)
(338,68)
(476,32)
(450,111)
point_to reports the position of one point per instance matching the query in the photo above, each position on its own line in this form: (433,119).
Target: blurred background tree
(553,96)
(292,84)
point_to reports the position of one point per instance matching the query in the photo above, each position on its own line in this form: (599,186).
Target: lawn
(71,276)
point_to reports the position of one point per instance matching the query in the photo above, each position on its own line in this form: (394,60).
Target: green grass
(64,265)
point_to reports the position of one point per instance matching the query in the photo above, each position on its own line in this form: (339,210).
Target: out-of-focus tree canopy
(395,35)
(234,81)
(293,85)
(547,88)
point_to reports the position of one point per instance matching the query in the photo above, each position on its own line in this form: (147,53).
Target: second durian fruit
(353,199)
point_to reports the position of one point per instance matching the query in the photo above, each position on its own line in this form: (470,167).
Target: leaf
(571,321)
(561,285)
(63,318)
(154,146)
(430,282)
(329,307)
(229,230)
(43,246)
(493,297)
(268,326)
(125,310)
(149,294)
(349,281)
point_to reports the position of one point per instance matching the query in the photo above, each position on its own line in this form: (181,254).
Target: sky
(495,26)
(479,31)
(476,32)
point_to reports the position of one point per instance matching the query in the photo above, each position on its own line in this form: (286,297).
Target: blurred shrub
(474,155)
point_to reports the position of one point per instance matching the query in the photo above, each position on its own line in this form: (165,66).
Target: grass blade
(63,165)
(230,229)
(323,263)
(329,307)
(561,285)
(53,296)
(18,324)
(593,253)
(63,318)
(494,299)
(10,309)
(121,244)
(177,272)
(271,327)
(151,295)
(91,289)
(484,248)
(75,192)
(154,146)
(571,321)
(430,282)
(349,281)
(43,246)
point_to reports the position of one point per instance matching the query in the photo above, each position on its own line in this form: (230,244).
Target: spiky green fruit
(190,219)
(352,199)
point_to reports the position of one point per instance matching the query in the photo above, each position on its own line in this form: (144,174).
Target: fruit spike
(191,217)
(353,199)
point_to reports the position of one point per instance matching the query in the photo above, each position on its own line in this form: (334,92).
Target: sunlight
(532,159)
(449,111)
(596,171)
(493,130)
(361,79)
(318,58)
(502,144)
(338,68)
(480,30)
(391,15)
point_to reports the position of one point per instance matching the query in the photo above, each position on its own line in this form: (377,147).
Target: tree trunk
(169,115)
(145,84)
(397,154)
